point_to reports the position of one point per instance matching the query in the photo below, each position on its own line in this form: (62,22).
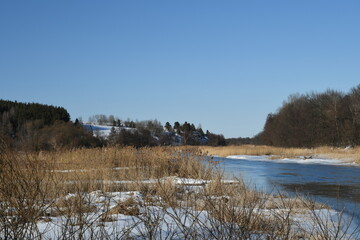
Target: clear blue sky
(222,64)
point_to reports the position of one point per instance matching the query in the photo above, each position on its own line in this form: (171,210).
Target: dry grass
(105,168)
(73,205)
(39,186)
(254,150)
(56,174)
(127,207)
(349,154)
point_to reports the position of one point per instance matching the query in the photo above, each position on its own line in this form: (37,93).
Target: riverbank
(322,160)
(346,155)
(145,193)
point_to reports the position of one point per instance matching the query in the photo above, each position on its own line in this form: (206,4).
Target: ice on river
(300,160)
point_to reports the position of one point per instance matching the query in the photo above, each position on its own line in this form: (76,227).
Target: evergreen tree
(200,131)
(112,138)
(118,123)
(176,125)
(168,126)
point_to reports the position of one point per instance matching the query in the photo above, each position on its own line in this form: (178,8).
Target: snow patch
(324,161)
(104,130)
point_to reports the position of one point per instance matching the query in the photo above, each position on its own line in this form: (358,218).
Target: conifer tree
(168,126)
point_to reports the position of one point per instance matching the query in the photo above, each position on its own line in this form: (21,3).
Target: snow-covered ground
(174,180)
(132,215)
(159,222)
(300,160)
(103,130)
(151,222)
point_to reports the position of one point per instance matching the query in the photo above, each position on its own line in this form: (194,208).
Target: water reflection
(330,184)
(344,192)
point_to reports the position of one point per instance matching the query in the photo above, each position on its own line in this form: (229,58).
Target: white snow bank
(90,169)
(166,222)
(169,221)
(104,130)
(299,160)
(174,180)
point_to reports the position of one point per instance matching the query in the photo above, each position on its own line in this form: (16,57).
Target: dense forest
(18,113)
(316,119)
(34,126)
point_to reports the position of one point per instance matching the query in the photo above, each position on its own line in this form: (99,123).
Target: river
(327,181)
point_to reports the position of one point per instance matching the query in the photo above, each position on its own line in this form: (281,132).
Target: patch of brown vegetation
(346,154)
(127,207)
(72,205)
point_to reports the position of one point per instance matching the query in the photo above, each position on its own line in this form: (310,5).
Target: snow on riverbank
(144,215)
(172,180)
(130,215)
(300,160)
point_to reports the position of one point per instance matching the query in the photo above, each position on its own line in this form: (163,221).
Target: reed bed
(346,154)
(106,165)
(104,168)
(79,194)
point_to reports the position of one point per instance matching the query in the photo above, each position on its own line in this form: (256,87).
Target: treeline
(242,141)
(34,126)
(331,118)
(152,133)
(18,113)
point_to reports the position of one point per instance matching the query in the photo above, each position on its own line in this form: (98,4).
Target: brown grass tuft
(127,207)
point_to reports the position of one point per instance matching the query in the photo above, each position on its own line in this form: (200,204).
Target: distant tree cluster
(140,134)
(215,139)
(33,126)
(136,138)
(191,135)
(240,141)
(152,133)
(330,118)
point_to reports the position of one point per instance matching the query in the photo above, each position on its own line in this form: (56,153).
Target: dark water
(335,185)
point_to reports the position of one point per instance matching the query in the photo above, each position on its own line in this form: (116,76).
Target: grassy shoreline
(344,154)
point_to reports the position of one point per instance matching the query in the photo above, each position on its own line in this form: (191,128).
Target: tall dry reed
(347,154)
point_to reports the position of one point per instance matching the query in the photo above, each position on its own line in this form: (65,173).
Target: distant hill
(34,126)
(149,133)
